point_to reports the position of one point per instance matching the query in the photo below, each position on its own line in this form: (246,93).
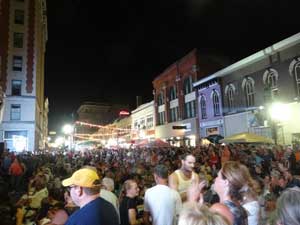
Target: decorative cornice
(4,37)
(30,47)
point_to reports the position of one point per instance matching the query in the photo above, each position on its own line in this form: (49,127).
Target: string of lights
(104,127)
(102,134)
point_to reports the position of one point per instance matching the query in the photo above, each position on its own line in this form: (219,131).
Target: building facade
(23,28)
(97,113)
(175,99)
(211,121)
(143,122)
(253,86)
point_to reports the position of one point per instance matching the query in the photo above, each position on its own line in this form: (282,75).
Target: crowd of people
(236,184)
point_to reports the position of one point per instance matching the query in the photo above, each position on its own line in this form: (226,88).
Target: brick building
(175,99)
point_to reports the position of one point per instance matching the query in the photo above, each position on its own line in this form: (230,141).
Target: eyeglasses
(70,187)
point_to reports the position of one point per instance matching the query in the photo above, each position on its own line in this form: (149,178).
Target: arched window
(270,79)
(203,107)
(249,91)
(297,77)
(216,103)
(230,97)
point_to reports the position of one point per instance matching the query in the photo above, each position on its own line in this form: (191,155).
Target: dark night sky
(112,50)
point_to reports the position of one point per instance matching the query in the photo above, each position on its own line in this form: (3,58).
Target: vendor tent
(246,138)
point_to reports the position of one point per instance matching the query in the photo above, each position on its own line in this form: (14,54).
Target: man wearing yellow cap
(84,187)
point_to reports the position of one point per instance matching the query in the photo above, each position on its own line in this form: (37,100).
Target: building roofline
(143,106)
(279,46)
(193,51)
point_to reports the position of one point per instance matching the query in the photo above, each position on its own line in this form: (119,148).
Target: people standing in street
(161,203)
(182,178)
(84,187)
(128,203)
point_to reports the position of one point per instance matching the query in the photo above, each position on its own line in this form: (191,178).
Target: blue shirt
(96,212)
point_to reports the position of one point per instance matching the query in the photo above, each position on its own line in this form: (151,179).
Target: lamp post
(68,131)
(279,113)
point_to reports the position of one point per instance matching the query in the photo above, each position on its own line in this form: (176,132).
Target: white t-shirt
(163,203)
(253,210)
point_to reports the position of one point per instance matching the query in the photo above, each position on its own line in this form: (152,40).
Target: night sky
(110,51)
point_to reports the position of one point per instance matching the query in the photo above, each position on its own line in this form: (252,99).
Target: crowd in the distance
(216,184)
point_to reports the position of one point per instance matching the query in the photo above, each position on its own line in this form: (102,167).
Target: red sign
(124,113)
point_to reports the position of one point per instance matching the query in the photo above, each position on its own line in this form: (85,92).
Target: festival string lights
(103,127)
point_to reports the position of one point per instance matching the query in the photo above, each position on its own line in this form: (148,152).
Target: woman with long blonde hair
(196,214)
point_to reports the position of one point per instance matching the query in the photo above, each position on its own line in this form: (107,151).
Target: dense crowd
(218,184)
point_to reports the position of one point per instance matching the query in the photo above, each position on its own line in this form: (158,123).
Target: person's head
(108,183)
(287,207)
(84,185)
(129,189)
(233,180)
(160,172)
(188,162)
(195,214)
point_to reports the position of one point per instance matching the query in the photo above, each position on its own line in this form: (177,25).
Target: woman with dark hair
(128,204)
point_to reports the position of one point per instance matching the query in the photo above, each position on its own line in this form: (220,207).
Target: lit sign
(179,127)
(124,113)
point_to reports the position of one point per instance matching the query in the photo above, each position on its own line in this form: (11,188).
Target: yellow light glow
(280,112)
(68,129)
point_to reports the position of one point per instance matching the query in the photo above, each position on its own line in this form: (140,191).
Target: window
(190,109)
(203,107)
(16,140)
(136,126)
(216,103)
(272,83)
(173,94)
(15,112)
(297,77)
(174,114)
(19,16)
(149,122)
(17,63)
(16,87)
(161,99)
(18,40)
(161,118)
(230,99)
(188,85)
(142,124)
(249,91)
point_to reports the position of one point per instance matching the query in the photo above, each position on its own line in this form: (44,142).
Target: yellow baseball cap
(83,178)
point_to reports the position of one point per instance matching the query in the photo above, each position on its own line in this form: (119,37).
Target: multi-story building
(45,124)
(211,121)
(253,86)
(23,29)
(98,114)
(143,122)
(175,99)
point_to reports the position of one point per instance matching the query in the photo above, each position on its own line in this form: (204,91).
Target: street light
(279,113)
(68,131)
